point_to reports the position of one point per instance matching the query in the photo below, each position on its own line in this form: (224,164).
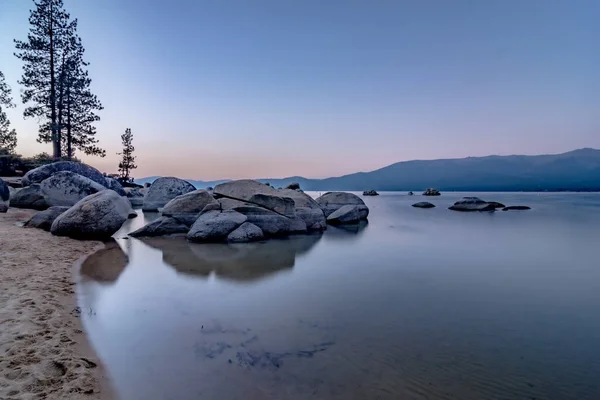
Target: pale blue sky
(253,88)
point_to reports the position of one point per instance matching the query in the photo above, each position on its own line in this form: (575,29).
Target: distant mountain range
(577,170)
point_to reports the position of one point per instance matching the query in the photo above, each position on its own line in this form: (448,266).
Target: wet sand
(44,352)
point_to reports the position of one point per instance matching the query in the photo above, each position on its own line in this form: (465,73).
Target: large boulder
(39,174)
(215,226)
(332,201)
(270,222)
(423,204)
(164,190)
(29,197)
(247,232)
(3,207)
(243,189)
(113,184)
(161,226)
(307,209)
(4,191)
(66,188)
(187,207)
(133,192)
(281,205)
(97,216)
(348,214)
(44,219)
(472,204)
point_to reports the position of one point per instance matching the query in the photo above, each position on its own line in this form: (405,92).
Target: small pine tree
(128,159)
(8,137)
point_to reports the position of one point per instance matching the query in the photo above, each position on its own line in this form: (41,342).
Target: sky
(217,89)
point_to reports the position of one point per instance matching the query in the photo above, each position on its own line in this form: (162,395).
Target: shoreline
(46,353)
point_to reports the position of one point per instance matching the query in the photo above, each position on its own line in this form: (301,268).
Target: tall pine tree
(8,137)
(128,159)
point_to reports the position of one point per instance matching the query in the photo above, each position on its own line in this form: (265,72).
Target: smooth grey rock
(423,204)
(66,188)
(44,219)
(332,201)
(215,226)
(3,207)
(313,218)
(113,184)
(517,208)
(147,185)
(243,189)
(211,207)
(133,192)
(161,226)
(370,193)
(472,204)
(187,207)
(270,222)
(431,192)
(232,204)
(300,198)
(281,205)
(136,201)
(29,197)
(246,232)
(164,190)
(4,191)
(348,214)
(97,216)
(293,186)
(39,174)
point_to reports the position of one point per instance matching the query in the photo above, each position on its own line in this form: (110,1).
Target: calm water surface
(416,304)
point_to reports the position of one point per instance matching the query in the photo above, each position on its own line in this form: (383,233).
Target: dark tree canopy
(8,137)
(128,159)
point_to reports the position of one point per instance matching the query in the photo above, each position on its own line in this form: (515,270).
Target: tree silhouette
(127,161)
(8,137)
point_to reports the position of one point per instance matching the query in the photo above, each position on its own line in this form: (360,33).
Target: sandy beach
(45,354)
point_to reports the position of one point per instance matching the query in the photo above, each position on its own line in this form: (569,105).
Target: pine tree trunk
(61,89)
(55,138)
(69,143)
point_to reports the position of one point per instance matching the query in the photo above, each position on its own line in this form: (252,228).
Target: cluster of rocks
(370,193)
(431,192)
(244,211)
(469,204)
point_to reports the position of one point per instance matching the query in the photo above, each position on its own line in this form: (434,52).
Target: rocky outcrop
(472,204)
(164,190)
(161,227)
(332,201)
(113,184)
(247,232)
(66,188)
(44,219)
(243,189)
(4,191)
(293,186)
(370,193)
(431,192)
(313,218)
(215,226)
(281,205)
(348,214)
(97,216)
(423,204)
(516,208)
(39,174)
(29,197)
(187,207)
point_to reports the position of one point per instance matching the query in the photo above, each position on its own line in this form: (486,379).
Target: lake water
(416,304)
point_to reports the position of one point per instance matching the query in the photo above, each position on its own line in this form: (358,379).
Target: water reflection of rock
(240,262)
(346,232)
(106,264)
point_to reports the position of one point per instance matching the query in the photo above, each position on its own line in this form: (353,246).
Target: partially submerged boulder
(29,197)
(160,227)
(423,204)
(187,207)
(348,214)
(97,216)
(516,208)
(333,201)
(270,222)
(215,226)
(164,190)
(431,192)
(472,204)
(247,232)
(66,188)
(243,189)
(39,174)
(113,184)
(44,219)
(370,193)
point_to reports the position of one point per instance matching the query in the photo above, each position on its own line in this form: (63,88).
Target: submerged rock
(97,216)
(423,204)
(281,205)
(164,190)
(472,204)
(160,227)
(44,219)
(39,174)
(186,207)
(66,188)
(29,197)
(370,193)
(215,226)
(247,232)
(431,192)
(332,201)
(521,208)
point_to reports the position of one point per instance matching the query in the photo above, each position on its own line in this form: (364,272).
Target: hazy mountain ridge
(574,170)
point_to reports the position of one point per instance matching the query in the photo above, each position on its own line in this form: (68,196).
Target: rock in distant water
(39,174)
(161,226)
(411,194)
(472,204)
(348,214)
(29,197)
(44,219)
(113,184)
(4,191)
(186,207)
(431,192)
(97,216)
(332,201)
(66,188)
(370,193)
(423,204)
(164,190)
(516,208)
(246,232)
(293,186)
(215,226)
